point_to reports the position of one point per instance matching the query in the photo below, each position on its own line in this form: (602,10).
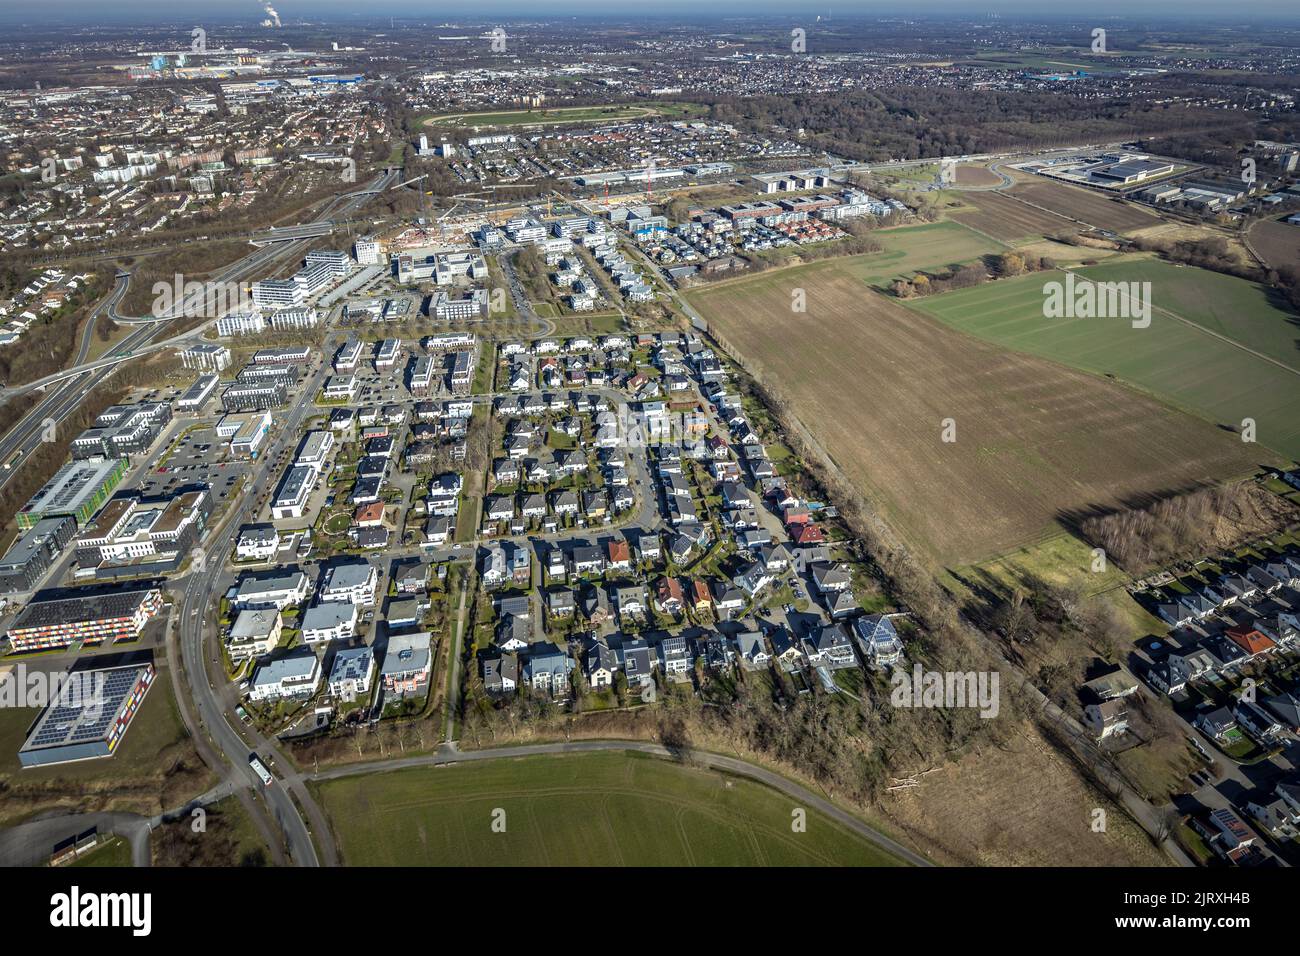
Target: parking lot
(198,456)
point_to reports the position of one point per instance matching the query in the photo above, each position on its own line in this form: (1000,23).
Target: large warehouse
(90,716)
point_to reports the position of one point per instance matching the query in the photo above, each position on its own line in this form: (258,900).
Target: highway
(75,383)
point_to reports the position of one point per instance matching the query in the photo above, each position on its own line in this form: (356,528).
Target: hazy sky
(103,11)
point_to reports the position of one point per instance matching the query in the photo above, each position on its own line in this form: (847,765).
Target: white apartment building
(241,323)
(206,358)
(354,582)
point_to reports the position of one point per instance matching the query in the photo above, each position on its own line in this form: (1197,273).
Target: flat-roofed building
(278,293)
(196,396)
(421,376)
(328,621)
(34,553)
(408,661)
(254,396)
(123,430)
(278,590)
(252,431)
(340,388)
(453,265)
(354,581)
(118,615)
(315,448)
(89,717)
(388,352)
(255,633)
(461,374)
(241,323)
(348,356)
(473,304)
(352,673)
(288,355)
(294,492)
(144,535)
(206,358)
(296,675)
(77,489)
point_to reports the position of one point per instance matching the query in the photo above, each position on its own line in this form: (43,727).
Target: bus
(260,769)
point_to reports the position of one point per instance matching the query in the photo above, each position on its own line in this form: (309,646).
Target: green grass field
(603,809)
(910,249)
(1172,359)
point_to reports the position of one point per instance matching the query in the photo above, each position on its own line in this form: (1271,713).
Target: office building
(34,553)
(91,619)
(77,489)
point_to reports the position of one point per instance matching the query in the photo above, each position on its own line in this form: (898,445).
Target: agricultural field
(874,383)
(1278,242)
(969,174)
(565,114)
(998,215)
(1083,204)
(599,809)
(910,249)
(1193,355)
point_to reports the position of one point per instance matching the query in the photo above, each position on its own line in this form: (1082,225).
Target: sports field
(1174,359)
(874,381)
(599,809)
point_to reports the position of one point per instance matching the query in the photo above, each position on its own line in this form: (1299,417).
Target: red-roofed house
(369,516)
(807,534)
(1250,640)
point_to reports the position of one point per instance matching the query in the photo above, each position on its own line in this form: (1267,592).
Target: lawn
(1174,358)
(589,810)
(113,852)
(141,776)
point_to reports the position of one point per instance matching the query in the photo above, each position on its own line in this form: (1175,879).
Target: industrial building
(90,716)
